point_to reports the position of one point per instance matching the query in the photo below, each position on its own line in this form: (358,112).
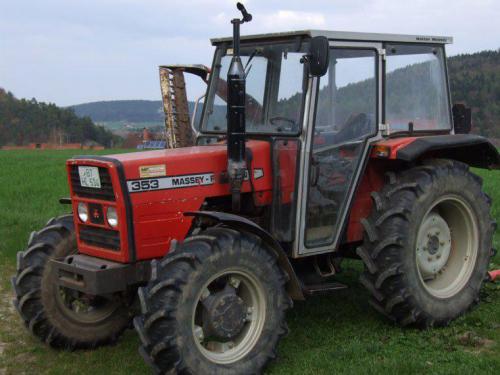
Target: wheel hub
(225,315)
(433,245)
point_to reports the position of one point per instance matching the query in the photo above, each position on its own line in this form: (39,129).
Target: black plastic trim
(126,199)
(469,148)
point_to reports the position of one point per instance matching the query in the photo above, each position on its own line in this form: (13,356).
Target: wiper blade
(252,55)
(248,71)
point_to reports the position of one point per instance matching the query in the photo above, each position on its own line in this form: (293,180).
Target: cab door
(346,116)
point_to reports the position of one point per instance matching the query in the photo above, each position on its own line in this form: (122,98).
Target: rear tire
(174,324)
(52,313)
(427,244)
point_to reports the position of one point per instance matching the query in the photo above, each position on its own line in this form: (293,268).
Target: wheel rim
(83,308)
(447,246)
(248,291)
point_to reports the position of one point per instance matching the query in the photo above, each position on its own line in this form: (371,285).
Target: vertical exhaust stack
(236,164)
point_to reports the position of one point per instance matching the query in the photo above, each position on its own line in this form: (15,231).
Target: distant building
(151,140)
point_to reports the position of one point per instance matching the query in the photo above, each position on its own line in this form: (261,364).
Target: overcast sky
(72,51)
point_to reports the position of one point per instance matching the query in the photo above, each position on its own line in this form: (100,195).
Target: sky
(74,51)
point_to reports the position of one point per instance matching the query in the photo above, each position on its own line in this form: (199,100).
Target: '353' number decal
(144,185)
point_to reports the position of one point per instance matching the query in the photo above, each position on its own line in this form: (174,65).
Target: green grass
(338,333)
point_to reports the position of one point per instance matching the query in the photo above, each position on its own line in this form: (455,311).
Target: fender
(240,223)
(472,149)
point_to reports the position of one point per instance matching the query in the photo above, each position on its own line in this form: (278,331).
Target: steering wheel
(275,119)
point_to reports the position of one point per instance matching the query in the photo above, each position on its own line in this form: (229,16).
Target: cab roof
(344,35)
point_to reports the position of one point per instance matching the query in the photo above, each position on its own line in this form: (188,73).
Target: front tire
(427,244)
(58,316)
(214,305)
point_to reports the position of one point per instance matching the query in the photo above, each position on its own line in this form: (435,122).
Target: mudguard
(294,288)
(472,149)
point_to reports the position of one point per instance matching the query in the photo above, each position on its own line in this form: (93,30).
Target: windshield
(274,89)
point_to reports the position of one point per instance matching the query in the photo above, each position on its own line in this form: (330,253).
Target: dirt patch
(475,343)
(7,315)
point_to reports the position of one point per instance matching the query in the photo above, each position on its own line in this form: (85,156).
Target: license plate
(89,177)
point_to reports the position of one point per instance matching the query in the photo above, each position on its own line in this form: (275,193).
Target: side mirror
(319,56)
(462,119)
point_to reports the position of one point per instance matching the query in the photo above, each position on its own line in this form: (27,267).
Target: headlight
(83,212)
(112,217)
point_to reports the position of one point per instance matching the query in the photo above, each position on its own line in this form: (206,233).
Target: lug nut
(234,282)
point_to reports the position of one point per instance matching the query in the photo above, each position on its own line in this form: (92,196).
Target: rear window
(416,88)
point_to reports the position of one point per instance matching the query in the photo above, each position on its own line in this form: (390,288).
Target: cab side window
(416,88)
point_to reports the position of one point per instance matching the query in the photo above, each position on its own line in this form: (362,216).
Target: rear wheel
(427,244)
(214,305)
(59,316)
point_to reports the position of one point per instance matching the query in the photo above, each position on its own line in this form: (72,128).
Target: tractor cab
(322,126)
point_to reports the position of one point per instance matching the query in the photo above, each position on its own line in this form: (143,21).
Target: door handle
(314,172)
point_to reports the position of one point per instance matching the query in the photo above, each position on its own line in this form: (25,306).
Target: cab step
(323,288)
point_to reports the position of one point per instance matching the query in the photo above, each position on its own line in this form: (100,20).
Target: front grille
(105,192)
(100,237)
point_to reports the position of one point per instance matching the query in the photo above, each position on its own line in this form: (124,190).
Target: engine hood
(188,161)
(179,161)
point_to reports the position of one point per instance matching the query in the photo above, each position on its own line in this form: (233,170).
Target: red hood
(178,161)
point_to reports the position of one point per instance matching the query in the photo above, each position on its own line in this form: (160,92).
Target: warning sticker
(146,171)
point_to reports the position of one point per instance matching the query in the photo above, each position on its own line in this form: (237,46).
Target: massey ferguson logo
(173,182)
(177,182)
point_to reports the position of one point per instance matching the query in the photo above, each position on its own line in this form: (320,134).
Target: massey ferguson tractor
(311,147)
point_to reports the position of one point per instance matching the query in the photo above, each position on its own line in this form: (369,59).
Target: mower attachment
(175,104)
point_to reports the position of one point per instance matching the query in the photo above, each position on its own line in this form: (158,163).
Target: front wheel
(214,305)
(427,244)
(61,317)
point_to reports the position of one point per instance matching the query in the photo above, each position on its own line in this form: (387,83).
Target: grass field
(339,333)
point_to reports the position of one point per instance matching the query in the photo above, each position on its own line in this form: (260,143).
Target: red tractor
(312,147)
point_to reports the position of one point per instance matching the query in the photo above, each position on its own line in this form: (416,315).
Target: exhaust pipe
(236,164)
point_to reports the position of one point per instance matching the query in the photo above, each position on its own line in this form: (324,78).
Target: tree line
(475,80)
(25,121)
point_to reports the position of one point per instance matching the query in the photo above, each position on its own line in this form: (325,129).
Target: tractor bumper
(97,276)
